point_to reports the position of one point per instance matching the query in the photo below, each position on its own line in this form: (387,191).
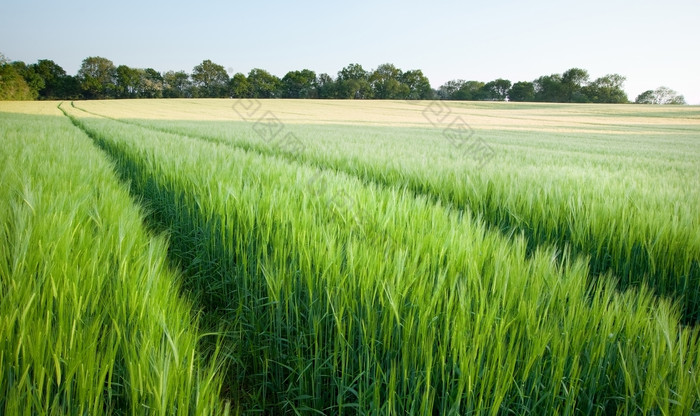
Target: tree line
(99,78)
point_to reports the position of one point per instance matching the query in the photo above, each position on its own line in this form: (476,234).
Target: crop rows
(346,296)
(626,205)
(91,320)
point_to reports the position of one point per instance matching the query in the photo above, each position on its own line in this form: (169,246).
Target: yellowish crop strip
(604,119)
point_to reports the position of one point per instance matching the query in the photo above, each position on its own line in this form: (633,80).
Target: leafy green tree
(550,88)
(263,84)
(177,85)
(353,71)
(299,84)
(386,82)
(661,96)
(127,82)
(12,84)
(647,97)
(325,86)
(239,87)
(677,100)
(353,82)
(665,95)
(447,90)
(418,85)
(138,83)
(97,77)
(210,80)
(470,90)
(54,79)
(573,81)
(34,81)
(151,83)
(522,91)
(496,90)
(70,88)
(607,89)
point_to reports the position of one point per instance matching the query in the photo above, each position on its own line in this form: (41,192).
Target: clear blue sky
(652,43)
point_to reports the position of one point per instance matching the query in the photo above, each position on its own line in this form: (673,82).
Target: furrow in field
(91,321)
(627,234)
(347,297)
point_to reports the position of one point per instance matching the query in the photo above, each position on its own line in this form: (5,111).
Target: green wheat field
(209,257)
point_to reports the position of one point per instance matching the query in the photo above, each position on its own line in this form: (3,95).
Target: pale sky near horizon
(652,43)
